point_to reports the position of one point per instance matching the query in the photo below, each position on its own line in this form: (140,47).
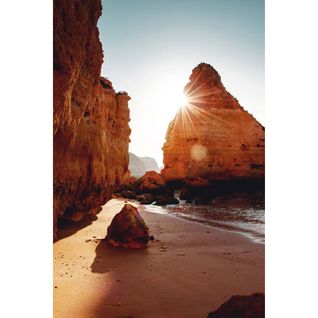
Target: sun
(182,100)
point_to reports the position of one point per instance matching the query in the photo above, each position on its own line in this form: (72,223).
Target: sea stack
(213,137)
(91,131)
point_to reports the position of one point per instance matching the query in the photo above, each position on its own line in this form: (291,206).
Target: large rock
(252,306)
(127,184)
(212,137)
(128,229)
(150,182)
(91,132)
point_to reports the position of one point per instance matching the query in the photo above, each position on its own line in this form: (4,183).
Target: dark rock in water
(128,194)
(197,190)
(252,306)
(185,194)
(201,200)
(146,198)
(166,199)
(128,229)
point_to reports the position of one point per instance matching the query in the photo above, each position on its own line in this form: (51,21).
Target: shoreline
(254,236)
(189,270)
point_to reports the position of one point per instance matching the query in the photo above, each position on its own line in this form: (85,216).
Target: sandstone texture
(252,306)
(128,229)
(213,137)
(91,131)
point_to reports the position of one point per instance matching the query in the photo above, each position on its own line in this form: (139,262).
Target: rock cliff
(212,137)
(138,166)
(91,131)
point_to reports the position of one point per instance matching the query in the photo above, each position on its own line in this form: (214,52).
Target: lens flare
(198,152)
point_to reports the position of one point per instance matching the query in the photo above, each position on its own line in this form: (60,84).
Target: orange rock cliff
(213,137)
(91,131)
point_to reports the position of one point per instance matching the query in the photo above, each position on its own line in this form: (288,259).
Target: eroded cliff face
(138,166)
(213,137)
(91,131)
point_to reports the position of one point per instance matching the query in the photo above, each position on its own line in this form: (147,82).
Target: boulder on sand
(128,229)
(252,306)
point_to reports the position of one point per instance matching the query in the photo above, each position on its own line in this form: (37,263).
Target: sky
(151,46)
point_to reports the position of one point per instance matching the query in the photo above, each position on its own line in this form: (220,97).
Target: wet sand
(188,271)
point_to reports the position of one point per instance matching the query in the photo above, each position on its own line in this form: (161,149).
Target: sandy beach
(189,270)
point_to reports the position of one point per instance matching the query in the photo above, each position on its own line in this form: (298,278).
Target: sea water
(240,212)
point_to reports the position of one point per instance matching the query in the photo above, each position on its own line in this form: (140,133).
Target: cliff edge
(91,131)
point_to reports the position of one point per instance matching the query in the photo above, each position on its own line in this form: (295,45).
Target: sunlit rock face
(91,131)
(212,137)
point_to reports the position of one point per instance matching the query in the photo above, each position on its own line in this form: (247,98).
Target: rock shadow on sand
(109,258)
(67,228)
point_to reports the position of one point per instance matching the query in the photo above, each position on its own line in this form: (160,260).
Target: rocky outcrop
(252,306)
(128,229)
(151,188)
(212,137)
(146,198)
(150,182)
(91,132)
(138,166)
(127,184)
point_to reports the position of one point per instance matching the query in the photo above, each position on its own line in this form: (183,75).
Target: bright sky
(151,46)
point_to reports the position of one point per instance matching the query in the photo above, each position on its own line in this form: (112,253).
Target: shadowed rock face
(213,137)
(91,132)
(252,306)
